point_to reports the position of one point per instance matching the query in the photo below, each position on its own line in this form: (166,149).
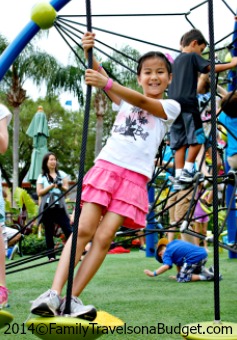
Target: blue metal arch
(22,39)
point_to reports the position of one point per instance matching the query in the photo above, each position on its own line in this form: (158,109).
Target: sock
(202,277)
(189,166)
(178,172)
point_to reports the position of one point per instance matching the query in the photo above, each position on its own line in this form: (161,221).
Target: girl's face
(52,162)
(154,77)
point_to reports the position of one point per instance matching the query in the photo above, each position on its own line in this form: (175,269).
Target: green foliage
(32,244)
(123,66)
(65,135)
(21,198)
(3,43)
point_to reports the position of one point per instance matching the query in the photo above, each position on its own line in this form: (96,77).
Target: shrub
(32,245)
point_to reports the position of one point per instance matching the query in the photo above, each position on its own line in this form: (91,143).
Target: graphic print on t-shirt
(134,124)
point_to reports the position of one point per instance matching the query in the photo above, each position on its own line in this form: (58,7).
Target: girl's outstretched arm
(88,42)
(132,97)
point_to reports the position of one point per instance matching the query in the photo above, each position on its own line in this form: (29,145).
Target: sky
(164,30)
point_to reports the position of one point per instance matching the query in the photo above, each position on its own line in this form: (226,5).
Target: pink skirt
(118,190)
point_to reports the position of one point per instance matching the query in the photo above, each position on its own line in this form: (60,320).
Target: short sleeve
(167,259)
(40,179)
(116,107)
(62,174)
(4,112)
(202,64)
(172,109)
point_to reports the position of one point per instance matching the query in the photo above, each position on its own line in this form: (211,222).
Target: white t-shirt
(136,136)
(4,112)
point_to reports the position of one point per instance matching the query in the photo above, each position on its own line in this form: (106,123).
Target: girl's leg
(204,232)
(88,223)
(197,229)
(102,239)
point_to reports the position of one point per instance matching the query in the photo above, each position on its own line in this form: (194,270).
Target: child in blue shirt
(189,259)
(228,118)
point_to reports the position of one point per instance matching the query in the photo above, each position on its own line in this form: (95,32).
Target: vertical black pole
(214,164)
(80,176)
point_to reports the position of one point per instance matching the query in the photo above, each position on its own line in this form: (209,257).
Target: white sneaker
(207,273)
(78,310)
(13,252)
(47,304)
(189,177)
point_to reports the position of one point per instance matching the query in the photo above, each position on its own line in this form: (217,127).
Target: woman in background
(50,186)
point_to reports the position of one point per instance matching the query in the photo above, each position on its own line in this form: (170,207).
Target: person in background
(189,259)
(201,218)
(187,130)
(50,186)
(228,118)
(204,96)
(5,118)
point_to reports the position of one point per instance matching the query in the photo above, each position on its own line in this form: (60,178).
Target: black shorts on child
(186,130)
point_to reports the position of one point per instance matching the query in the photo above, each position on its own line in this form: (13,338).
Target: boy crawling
(189,259)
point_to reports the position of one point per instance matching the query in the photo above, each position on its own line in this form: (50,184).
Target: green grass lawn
(121,288)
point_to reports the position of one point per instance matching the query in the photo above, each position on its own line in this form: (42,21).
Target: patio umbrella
(38,130)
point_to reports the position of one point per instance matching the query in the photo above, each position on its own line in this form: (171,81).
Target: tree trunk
(99,134)
(16,127)
(100,107)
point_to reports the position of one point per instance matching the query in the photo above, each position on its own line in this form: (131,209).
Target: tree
(42,69)
(65,133)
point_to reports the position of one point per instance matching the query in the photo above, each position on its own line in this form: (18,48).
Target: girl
(201,218)
(5,118)
(115,187)
(50,185)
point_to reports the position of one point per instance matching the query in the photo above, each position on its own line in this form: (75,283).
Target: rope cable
(214,163)
(80,175)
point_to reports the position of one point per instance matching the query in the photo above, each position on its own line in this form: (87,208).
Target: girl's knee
(103,239)
(84,232)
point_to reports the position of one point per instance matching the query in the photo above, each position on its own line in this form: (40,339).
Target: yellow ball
(43,14)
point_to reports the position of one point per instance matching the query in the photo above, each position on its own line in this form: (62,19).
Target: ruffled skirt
(118,190)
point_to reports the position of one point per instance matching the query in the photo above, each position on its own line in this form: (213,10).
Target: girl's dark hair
(153,54)
(229,104)
(45,169)
(191,35)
